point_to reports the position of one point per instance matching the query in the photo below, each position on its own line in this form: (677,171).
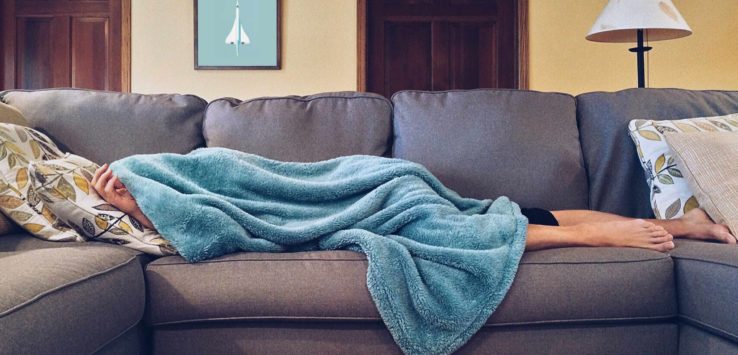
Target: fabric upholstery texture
(671,196)
(370,338)
(707,285)
(64,185)
(106,126)
(555,286)
(616,180)
(20,145)
(695,341)
(306,128)
(133,341)
(68,298)
(489,143)
(710,162)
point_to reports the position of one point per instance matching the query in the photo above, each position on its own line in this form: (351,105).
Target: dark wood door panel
(41,59)
(61,7)
(35,52)
(61,43)
(473,55)
(89,44)
(440,45)
(407,56)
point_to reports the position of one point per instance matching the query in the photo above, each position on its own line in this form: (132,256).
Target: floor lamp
(624,21)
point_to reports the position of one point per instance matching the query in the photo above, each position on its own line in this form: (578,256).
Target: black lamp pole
(639,53)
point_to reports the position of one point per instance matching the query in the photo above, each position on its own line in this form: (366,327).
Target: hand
(113,191)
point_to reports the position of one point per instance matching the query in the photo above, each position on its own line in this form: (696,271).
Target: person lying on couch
(438,264)
(547,229)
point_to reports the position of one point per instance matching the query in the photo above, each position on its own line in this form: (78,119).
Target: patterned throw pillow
(64,184)
(710,162)
(20,145)
(10,114)
(671,196)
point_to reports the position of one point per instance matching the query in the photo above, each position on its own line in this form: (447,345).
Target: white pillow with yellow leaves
(671,196)
(65,185)
(18,146)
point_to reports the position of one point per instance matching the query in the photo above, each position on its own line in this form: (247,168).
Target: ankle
(585,235)
(680,227)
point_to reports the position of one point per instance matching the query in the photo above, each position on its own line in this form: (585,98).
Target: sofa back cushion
(306,128)
(488,143)
(105,126)
(617,181)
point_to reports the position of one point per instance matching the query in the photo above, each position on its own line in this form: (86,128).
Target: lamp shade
(620,19)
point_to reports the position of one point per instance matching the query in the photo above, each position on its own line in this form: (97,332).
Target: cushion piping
(121,334)
(704,261)
(392,98)
(377,319)
(154,265)
(237,102)
(57,288)
(708,328)
(5,92)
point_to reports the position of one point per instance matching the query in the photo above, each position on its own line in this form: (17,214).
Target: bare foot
(633,233)
(698,225)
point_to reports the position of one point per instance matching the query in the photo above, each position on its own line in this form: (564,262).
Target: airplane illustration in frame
(237,36)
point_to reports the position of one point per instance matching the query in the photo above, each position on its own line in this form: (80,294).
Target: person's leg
(625,233)
(695,224)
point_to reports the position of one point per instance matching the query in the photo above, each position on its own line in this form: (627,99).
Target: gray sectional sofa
(545,150)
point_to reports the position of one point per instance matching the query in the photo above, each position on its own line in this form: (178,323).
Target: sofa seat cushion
(69,297)
(105,126)
(302,128)
(489,143)
(553,286)
(707,284)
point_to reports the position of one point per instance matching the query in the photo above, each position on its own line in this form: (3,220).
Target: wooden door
(440,44)
(65,43)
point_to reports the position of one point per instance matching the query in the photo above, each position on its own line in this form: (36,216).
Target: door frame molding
(521,44)
(125,46)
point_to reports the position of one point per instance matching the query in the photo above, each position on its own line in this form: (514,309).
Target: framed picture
(237,34)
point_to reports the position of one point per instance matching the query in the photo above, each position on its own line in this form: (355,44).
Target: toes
(657,232)
(725,235)
(662,239)
(722,233)
(664,247)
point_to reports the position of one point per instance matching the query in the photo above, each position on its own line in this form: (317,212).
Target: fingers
(118,184)
(98,172)
(102,180)
(110,184)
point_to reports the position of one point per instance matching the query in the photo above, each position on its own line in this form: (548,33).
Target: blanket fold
(438,264)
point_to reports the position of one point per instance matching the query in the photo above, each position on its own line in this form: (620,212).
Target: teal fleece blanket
(438,264)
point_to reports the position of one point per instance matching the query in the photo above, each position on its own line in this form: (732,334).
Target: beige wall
(318,52)
(562,60)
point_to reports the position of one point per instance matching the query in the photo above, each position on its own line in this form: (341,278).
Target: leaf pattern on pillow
(65,183)
(20,145)
(670,193)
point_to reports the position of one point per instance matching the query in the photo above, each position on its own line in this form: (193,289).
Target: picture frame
(238,34)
